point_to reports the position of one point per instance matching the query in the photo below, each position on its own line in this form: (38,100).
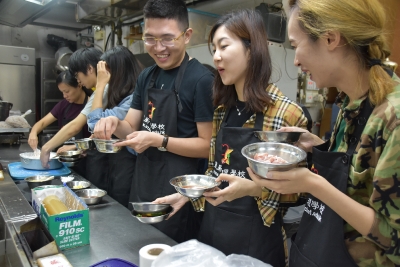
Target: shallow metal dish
(279,137)
(30,161)
(193,185)
(84,144)
(149,208)
(78,185)
(38,180)
(70,154)
(106,146)
(292,154)
(155,219)
(91,196)
(69,159)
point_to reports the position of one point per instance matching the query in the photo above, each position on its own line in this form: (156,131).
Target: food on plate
(78,187)
(153,214)
(268,158)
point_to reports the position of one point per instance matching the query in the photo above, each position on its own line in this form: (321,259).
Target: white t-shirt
(88,107)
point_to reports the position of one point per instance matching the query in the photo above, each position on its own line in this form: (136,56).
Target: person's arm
(103,77)
(66,132)
(38,127)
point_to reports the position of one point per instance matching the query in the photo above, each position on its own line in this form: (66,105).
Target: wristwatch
(163,146)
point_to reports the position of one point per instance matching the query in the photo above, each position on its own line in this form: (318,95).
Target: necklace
(239,111)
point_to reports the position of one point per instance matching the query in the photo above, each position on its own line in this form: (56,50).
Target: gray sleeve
(88,107)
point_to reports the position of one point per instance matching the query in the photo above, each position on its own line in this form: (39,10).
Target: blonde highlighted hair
(361,23)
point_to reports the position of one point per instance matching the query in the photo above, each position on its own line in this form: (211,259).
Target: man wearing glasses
(170,120)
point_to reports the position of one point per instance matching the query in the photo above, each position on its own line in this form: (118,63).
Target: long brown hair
(248,25)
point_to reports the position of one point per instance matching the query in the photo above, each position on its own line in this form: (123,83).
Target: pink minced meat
(267,158)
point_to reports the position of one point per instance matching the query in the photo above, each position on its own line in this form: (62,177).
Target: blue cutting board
(17,172)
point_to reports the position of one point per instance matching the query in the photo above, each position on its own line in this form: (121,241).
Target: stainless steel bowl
(292,154)
(71,154)
(279,137)
(38,180)
(78,185)
(149,208)
(106,146)
(32,162)
(153,219)
(84,144)
(193,185)
(91,196)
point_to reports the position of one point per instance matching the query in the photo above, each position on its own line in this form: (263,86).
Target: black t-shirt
(194,93)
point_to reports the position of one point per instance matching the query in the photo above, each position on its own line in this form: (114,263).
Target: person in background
(75,98)
(246,102)
(351,217)
(170,120)
(83,66)
(118,69)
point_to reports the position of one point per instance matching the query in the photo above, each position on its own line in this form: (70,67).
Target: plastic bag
(5,125)
(19,121)
(196,254)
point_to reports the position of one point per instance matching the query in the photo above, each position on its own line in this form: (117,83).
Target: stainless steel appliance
(17,76)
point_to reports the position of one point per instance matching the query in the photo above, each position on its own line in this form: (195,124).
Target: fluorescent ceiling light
(39,2)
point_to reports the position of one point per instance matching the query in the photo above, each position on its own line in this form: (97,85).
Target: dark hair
(167,9)
(124,69)
(247,25)
(67,78)
(82,58)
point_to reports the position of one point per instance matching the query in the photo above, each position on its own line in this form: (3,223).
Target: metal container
(69,162)
(70,154)
(38,180)
(279,137)
(84,144)
(292,154)
(106,146)
(78,185)
(5,108)
(149,208)
(155,219)
(29,161)
(91,196)
(193,185)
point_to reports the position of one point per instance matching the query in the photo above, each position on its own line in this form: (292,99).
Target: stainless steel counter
(114,233)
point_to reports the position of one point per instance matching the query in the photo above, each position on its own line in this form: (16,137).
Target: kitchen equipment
(38,180)
(149,208)
(106,146)
(70,154)
(32,162)
(17,172)
(155,219)
(17,76)
(69,163)
(84,144)
(280,137)
(292,154)
(77,185)
(193,185)
(91,196)
(5,108)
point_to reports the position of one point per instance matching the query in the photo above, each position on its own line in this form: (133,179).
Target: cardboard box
(69,229)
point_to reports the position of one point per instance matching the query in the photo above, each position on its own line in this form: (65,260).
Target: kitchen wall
(34,37)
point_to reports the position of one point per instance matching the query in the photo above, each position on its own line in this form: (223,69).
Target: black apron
(237,226)
(320,237)
(65,121)
(155,168)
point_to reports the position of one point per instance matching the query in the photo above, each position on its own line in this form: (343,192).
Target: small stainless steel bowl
(149,208)
(84,144)
(153,219)
(38,180)
(193,185)
(70,154)
(292,154)
(78,185)
(91,196)
(279,137)
(106,146)
(68,159)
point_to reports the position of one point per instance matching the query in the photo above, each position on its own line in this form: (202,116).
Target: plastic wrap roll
(149,253)
(54,205)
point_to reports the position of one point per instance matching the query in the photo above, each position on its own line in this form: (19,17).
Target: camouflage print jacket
(374,178)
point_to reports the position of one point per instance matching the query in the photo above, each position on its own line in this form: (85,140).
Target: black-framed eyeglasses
(166,41)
